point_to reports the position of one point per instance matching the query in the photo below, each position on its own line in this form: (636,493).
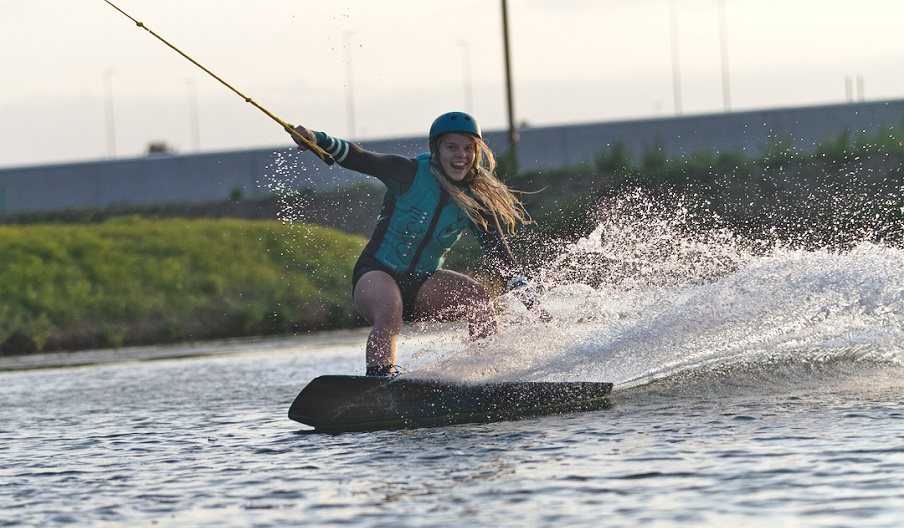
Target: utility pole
(349,86)
(466,69)
(676,66)
(193,118)
(512,131)
(111,121)
(723,39)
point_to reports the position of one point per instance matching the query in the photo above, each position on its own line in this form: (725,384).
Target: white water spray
(655,292)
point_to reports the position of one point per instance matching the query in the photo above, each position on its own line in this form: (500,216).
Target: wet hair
(491,199)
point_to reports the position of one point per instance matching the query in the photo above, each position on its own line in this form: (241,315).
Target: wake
(665,293)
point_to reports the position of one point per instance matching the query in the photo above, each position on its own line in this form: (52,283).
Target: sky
(79,81)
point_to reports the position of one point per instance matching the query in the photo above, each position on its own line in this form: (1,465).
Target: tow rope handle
(322,154)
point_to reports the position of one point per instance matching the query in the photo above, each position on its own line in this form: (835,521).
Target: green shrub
(131,280)
(836,150)
(778,153)
(615,160)
(654,161)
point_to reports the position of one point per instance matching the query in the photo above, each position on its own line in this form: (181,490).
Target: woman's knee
(449,296)
(378,300)
(388,319)
(481,294)
(474,296)
(384,314)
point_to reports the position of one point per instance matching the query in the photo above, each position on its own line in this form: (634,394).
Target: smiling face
(456,155)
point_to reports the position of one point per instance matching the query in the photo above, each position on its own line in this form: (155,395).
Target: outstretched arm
(386,167)
(497,250)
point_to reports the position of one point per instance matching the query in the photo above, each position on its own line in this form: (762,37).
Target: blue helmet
(454,122)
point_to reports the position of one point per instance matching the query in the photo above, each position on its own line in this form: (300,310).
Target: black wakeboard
(367,403)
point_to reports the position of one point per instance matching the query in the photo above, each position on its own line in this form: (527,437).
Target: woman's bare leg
(451,296)
(378,300)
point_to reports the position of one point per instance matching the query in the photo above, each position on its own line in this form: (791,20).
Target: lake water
(751,390)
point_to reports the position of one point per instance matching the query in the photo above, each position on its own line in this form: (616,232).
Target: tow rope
(322,154)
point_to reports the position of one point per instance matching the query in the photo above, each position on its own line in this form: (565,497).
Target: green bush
(654,161)
(615,160)
(836,150)
(778,153)
(131,280)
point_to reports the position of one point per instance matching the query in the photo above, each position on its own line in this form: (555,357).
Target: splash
(659,290)
(641,242)
(286,177)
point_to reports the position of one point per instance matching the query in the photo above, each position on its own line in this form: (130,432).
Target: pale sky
(573,61)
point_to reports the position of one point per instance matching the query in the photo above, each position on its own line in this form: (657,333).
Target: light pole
(111,121)
(676,67)
(349,88)
(512,131)
(466,67)
(193,117)
(723,40)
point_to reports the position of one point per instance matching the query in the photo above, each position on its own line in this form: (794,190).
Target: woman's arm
(387,168)
(509,271)
(496,249)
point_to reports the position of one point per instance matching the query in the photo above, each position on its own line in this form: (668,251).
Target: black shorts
(408,284)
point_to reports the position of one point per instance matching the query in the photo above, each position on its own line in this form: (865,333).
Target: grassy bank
(131,280)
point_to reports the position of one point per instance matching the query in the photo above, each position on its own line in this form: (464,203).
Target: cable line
(322,154)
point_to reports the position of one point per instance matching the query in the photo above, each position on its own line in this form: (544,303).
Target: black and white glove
(520,287)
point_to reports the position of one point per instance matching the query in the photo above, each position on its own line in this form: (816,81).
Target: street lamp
(676,67)
(349,88)
(512,131)
(466,67)
(110,121)
(193,118)
(723,40)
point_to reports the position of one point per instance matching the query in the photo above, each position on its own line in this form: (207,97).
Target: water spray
(322,154)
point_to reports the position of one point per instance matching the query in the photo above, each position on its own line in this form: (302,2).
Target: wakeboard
(367,403)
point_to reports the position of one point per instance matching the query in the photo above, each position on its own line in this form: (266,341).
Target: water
(753,387)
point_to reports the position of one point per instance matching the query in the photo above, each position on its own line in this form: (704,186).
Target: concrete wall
(749,132)
(217,176)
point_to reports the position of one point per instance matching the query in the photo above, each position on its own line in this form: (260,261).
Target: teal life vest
(417,228)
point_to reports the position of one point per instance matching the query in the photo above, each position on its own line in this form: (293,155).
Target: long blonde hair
(490,195)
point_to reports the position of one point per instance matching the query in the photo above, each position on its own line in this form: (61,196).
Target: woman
(430,200)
